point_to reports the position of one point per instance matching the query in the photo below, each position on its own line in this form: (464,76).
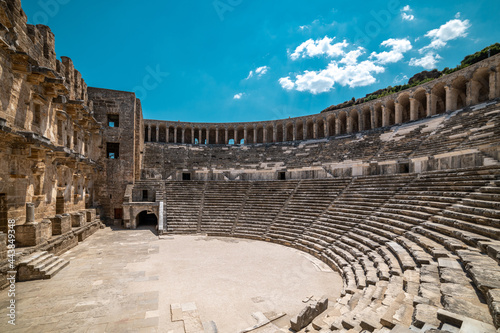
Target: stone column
(30,212)
(235,133)
(175,134)
(451,98)
(275,132)
(192,135)
(472,97)
(493,85)
(284,133)
(254,134)
(167,134)
(399,113)
(413,109)
(431,105)
(325,128)
(226,138)
(349,125)
(315,129)
(294,131)
(304,130)
(385,116)
(264,132)
(183,133)
(157,133)
(337,127)
(149,133)
(245,135)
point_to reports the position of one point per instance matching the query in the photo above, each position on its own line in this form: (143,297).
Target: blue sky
(251,60)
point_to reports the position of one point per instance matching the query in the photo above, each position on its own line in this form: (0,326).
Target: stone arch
(321,127)
(342,123)
(419,108)
(331,120)
(269,133)
(404,104)
(250,135)
(188,135)
(458,94)
(366,116)
(353,125)
(146,218)
(300,130)
(289,131)
(163,133)
(230,135)
(389,116)
(438,99)
(310,129)
(211,135)
(279,133)
(260,133)
(480,86)
(240,135)
(179,134)
(377,115)
(171,134)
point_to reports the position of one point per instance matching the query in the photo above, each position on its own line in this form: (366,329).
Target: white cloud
(449,31)
(286,83)
(261,71)
(238,96)
(352,75)
(406,13)
(429,61)
(399,47)
(312,48)
(351,58)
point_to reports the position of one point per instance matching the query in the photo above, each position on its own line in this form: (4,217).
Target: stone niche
(61,224)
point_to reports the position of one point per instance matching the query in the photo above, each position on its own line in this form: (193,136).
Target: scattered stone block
(306,316)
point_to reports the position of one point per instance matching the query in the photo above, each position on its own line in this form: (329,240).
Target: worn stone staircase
(40,266)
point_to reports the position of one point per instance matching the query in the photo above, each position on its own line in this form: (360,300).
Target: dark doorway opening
(281,175)
(186,176)
(147,219)
(404,167)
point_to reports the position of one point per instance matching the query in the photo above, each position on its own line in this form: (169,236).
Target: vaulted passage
(146,219)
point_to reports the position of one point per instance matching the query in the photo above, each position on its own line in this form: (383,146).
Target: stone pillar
(217,135)
(325,128)
(385,116)
(304,130)
(315,129)
(167,134)
(235,133)
(149,133)
(254,134)
(183,133)
(294,131)
(399,113)
(471,98)
(245,135)
(192,135)
(349,125)
(431,105)
(264,132)
(284,132)
(337,127)
(157,133)
(451,98)
(413,109)
(226,138)
(30,212)
(493,85)
(275,133)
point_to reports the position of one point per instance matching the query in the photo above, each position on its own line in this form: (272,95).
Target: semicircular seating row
(413,249)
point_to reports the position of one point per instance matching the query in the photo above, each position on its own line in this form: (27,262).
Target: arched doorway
(146,219)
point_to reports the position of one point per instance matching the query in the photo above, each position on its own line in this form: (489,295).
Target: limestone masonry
(400,195)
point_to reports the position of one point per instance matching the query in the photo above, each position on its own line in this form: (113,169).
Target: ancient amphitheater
(400,195)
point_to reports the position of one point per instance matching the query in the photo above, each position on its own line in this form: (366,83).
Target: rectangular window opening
(281,175)
(404,167)
(113,120)
(186,176)
(113,150)
(144,194)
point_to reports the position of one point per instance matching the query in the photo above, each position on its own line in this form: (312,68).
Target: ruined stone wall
(50,139)
(120,170)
